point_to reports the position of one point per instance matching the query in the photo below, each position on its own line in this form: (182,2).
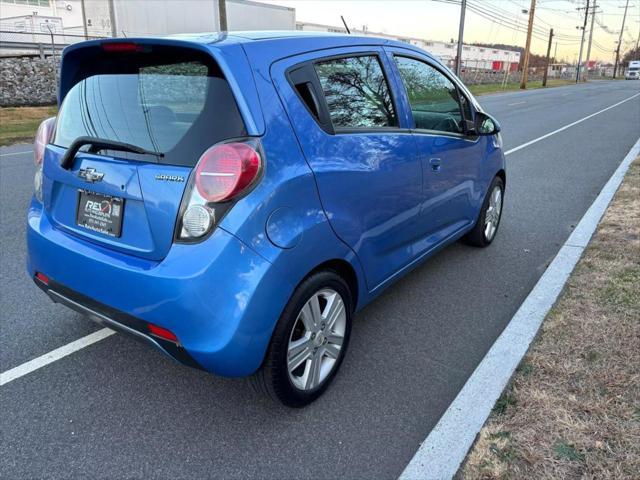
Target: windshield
(178,108)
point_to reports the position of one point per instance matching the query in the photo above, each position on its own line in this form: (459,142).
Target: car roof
(283,36)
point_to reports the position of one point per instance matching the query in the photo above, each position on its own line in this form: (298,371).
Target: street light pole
(463,8)
(84,20)
(584,28)
(624,18)
(222,13)
(525,65)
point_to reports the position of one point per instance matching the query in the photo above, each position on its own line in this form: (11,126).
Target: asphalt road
(118,409)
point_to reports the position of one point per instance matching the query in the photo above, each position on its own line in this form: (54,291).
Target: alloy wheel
(492,216)
(316,339)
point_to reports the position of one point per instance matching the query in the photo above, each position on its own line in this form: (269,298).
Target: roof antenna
(345,25)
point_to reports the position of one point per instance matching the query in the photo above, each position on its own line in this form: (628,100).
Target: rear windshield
(164,99)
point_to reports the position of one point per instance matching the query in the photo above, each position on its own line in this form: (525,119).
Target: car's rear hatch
(171,102)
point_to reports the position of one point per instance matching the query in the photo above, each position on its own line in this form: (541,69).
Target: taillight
(43,137)
(223,173)
(225,170)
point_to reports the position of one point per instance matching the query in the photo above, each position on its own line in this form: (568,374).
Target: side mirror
(485,124)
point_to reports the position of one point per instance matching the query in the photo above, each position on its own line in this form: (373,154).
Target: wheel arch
(502,174)
(346,271)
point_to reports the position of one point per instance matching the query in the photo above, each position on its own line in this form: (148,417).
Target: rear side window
(169,100)
(356,92)
(433,97)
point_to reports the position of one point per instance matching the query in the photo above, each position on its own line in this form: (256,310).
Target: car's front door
(450,156)
(362,154)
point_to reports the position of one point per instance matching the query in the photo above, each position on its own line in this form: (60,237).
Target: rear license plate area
(100,213)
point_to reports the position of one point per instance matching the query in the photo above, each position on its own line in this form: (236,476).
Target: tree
(633,54)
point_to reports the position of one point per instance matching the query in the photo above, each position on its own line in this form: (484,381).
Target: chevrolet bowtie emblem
(90,175)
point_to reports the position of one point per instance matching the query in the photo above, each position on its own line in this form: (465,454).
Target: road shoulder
(571,409)
(444,449)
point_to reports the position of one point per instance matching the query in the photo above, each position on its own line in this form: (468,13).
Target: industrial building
(25,22)
(473,57)
(28,24)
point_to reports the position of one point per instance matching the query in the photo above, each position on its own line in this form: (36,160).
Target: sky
(487,21)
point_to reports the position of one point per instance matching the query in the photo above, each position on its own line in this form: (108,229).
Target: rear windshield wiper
(98,144)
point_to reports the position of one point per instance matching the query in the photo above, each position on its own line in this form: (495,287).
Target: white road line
(516,103)
(54,355)
(573,124)
(15,153)
(79,344)
(440,455)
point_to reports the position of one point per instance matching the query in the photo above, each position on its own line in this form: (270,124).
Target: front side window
(357,93)
(433,97)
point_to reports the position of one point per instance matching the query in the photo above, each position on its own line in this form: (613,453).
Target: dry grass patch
(20,123)
(487,88)
(573,407)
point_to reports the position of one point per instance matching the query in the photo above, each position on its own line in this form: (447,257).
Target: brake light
(163,333)
(121,47)
(225,170)
(43,137)
(222,174)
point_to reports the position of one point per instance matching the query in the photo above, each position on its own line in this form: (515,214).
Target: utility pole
(624,18)
(222,13)
(593,19)
(546,67)
(525,65)
(463,8)
(584,28)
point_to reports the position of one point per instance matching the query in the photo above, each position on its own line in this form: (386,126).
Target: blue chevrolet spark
(233,199)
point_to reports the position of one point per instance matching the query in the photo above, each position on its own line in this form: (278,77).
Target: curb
(446,446)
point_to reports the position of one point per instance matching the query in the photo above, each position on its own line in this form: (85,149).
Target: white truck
(633,72)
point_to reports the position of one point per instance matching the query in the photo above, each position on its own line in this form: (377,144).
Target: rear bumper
(219,297)
(115,320)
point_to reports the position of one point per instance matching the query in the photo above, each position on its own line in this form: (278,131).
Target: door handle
(435,164)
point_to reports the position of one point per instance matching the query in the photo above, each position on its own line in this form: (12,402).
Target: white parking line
(443,451)
(79,344)
(54,355)
(515,103)
(15,153)
(573,124)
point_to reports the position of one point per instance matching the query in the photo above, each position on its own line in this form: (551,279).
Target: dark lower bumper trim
(114,319)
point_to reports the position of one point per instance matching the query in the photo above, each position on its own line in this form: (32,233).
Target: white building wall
(68,11)
(247,15)
(164,17)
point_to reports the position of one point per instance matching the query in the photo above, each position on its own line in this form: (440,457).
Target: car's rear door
(451,155)
(342,107)
(171,100)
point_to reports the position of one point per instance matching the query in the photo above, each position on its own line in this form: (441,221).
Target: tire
(298,337)
(481,235)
